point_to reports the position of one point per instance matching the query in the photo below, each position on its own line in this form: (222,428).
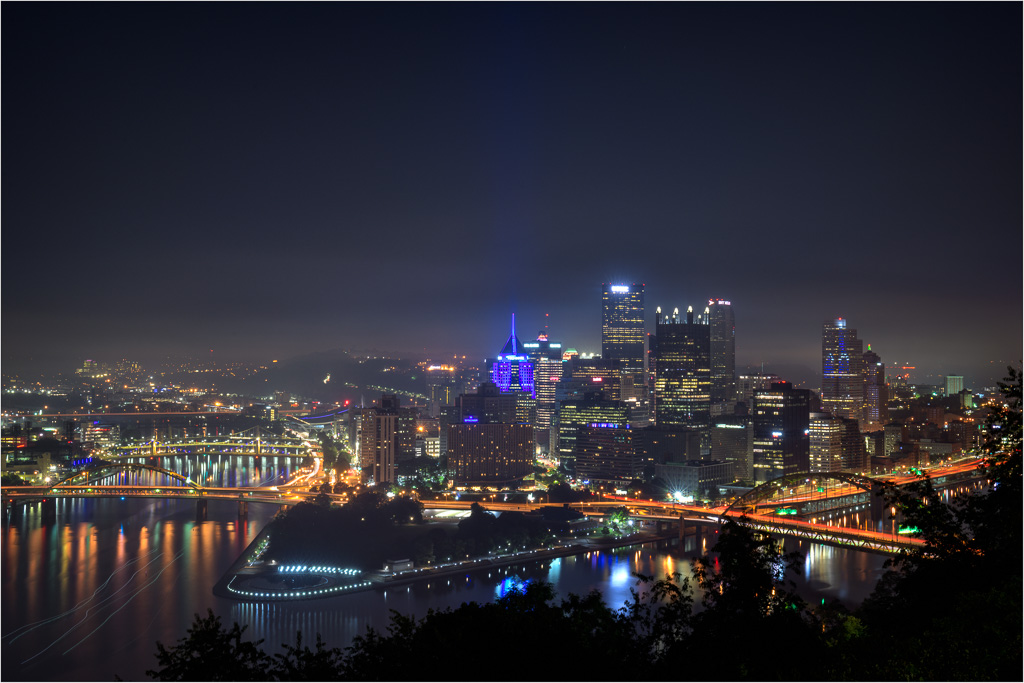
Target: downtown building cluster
(662,403)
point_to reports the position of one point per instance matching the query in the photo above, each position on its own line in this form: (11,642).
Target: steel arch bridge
(106,470)
(769,490)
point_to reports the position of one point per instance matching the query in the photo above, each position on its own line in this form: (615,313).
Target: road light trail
(42,622)
(130,598)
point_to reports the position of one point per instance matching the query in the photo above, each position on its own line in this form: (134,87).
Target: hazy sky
(273,179)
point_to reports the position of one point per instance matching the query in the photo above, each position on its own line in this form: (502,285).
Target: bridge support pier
(49,509)
(201,510)
(879,510)
(693,537)
(243,509)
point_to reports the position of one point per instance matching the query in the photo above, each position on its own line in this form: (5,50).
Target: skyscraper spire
(512,346)
(513,371)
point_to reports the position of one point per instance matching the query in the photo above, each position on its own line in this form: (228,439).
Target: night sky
(268,180)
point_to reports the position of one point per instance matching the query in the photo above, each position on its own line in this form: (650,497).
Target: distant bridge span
(104,470)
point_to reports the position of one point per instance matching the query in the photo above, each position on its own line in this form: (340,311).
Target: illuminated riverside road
(844,530)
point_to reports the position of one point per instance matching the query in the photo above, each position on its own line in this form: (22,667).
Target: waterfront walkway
(244,581)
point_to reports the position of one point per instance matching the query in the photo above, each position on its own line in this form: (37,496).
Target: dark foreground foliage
(951,611)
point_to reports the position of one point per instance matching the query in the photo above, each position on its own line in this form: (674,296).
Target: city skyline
(344,176)
(321,317)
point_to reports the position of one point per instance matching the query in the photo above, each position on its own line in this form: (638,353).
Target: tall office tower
(954,384)
(605,453)
(723,351)
(387,434)
(652,367)
(622,328)
(895,434)
(781,419)
(876,393)
(826,443)
(732,441)
(576,413)
(449,415)
(405,427)
(596,374)
(546,357)
(490,454)
(682,387)
(855,457)
(513,372)
(489,405)
(386,455)
(842,370)
(748,385)
(441,387)
(487,444)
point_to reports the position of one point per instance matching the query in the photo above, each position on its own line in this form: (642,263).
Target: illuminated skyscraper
(723,351)
(490,454)
(546,357)
(876,393)
(577,413)
(441,387)
(622,327)
(487,443)
(605,453)
(842,370)
(748,385)
(682,387)
(386,435)
(781,417)
(826,443)
(732,441)
(512,370)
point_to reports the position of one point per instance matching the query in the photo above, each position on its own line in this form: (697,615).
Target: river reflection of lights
(509,584)
(620,573)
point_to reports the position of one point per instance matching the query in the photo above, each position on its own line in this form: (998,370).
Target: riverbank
(257,582)
(572,547)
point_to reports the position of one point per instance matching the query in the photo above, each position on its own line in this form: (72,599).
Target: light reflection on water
(226,470)
(114,576)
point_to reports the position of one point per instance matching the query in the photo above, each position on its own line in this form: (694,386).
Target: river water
(86,597)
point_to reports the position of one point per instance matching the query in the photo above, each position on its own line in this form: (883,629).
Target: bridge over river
(834,508)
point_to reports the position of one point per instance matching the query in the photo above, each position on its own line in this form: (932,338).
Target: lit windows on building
(605,453)
(622,327)
(842,370)
(781,418)
(723,351)
(682,385)
(489,454)
(512,371)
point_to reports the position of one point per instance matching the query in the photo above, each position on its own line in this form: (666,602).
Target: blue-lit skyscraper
(512,370)
(842,370)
